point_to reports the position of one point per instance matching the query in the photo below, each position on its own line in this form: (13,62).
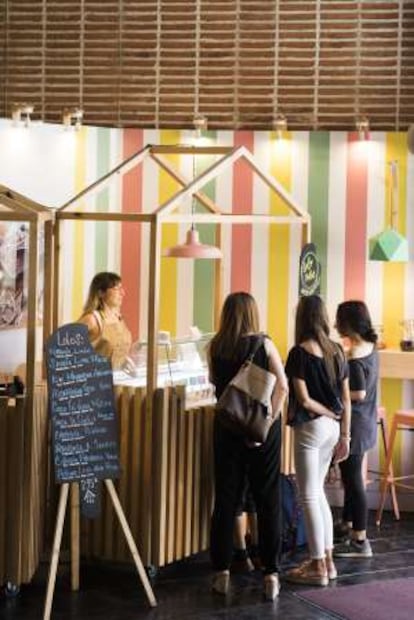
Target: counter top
(396,364)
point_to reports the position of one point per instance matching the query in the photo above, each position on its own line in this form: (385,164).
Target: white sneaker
(271,586)
(221,582)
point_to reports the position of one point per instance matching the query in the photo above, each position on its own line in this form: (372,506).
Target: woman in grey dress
(354,323)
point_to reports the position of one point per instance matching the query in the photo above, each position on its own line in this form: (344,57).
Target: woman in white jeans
(319,411)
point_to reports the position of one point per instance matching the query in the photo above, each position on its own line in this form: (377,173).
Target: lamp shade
(192,248)
(389,245)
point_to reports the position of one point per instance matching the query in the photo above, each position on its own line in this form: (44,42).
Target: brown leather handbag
(245,406)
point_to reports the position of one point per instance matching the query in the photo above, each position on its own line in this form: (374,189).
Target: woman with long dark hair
(237,338)
(353,322)
(319,411)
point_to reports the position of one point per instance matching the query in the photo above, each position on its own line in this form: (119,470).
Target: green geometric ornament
(389,246)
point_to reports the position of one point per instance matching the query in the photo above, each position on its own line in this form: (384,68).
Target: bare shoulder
(312,347)
(92,324)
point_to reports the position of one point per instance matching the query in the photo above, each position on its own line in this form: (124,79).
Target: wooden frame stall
(165,450)
(23,420)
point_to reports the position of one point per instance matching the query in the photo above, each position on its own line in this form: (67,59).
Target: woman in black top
(236,338)
(354,323)
(319,411)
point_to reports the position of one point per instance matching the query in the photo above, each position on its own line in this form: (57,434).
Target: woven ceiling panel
(158,63)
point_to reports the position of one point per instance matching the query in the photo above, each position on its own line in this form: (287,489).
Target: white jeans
(314,444)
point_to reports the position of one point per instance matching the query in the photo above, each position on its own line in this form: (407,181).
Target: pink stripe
(356,218)
(131,232)
(241,249)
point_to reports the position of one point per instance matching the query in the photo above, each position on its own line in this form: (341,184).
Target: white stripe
(335,256)
(185,268)
(260,232)
(375,223)
(299,191)
(224,200)
(409,271)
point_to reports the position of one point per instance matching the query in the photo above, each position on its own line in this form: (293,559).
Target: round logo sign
(309,271)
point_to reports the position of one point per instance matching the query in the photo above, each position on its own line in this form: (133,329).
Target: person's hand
(341,450)
(128,366)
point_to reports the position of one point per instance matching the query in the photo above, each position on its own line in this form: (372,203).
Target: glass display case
(180,362)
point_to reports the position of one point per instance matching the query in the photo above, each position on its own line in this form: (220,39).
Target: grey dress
(363,375)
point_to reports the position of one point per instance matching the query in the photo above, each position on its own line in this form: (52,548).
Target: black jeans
(355,498)
(232,460)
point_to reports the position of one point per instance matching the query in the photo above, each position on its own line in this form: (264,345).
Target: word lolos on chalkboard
(82,410)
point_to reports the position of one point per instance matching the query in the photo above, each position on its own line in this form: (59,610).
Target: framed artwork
(13,274)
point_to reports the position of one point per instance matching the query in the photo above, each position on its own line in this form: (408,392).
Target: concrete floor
(113,592)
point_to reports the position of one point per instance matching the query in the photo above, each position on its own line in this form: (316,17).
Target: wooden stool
(380,475)
(403,418)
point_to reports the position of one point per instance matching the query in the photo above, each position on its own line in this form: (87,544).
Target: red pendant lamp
(192,248)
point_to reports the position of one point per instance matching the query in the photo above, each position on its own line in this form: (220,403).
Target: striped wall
(341,181)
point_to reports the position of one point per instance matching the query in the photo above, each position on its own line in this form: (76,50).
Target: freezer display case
(180,362)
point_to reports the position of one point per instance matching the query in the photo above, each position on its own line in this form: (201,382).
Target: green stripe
(318,196)
(102,201)
(203,313)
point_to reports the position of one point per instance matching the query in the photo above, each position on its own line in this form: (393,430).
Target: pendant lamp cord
(394,194)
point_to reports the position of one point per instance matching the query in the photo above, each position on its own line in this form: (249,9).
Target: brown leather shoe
(307,575)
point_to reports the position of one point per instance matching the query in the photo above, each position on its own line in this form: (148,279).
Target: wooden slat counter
(166,458)
(178,480)
(23,486)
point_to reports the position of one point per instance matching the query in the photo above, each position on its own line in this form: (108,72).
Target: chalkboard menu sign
(82,410)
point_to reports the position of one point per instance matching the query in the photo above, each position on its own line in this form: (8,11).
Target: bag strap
(256,347)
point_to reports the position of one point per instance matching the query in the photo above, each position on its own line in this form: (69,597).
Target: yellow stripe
(79,227)
(393,280)
(279,246)
(169,267)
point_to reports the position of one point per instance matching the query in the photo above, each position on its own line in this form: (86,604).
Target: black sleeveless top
(222,370)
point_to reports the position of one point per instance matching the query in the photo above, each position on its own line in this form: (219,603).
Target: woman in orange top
(108,332)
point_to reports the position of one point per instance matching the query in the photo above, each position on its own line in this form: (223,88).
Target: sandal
(307,575)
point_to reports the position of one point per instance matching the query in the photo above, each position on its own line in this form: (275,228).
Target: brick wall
(157,63)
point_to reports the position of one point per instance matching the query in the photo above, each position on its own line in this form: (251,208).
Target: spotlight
(200,123)
(21,112)
(362,127)
(280,125)
(72,117)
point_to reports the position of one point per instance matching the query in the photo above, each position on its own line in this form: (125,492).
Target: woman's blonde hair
(101,282)
(312,323)
(239,316)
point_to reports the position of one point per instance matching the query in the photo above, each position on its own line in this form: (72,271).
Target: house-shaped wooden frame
(165,213)
(15,207)
(24,463)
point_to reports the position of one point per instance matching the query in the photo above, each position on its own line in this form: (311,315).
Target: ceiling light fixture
(72,117)
(362,127)
(280,125)
(21,113)
(389,245)
(200,123)
(192,248)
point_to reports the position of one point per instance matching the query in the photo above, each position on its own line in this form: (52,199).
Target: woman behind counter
(236,338)
(108,332)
